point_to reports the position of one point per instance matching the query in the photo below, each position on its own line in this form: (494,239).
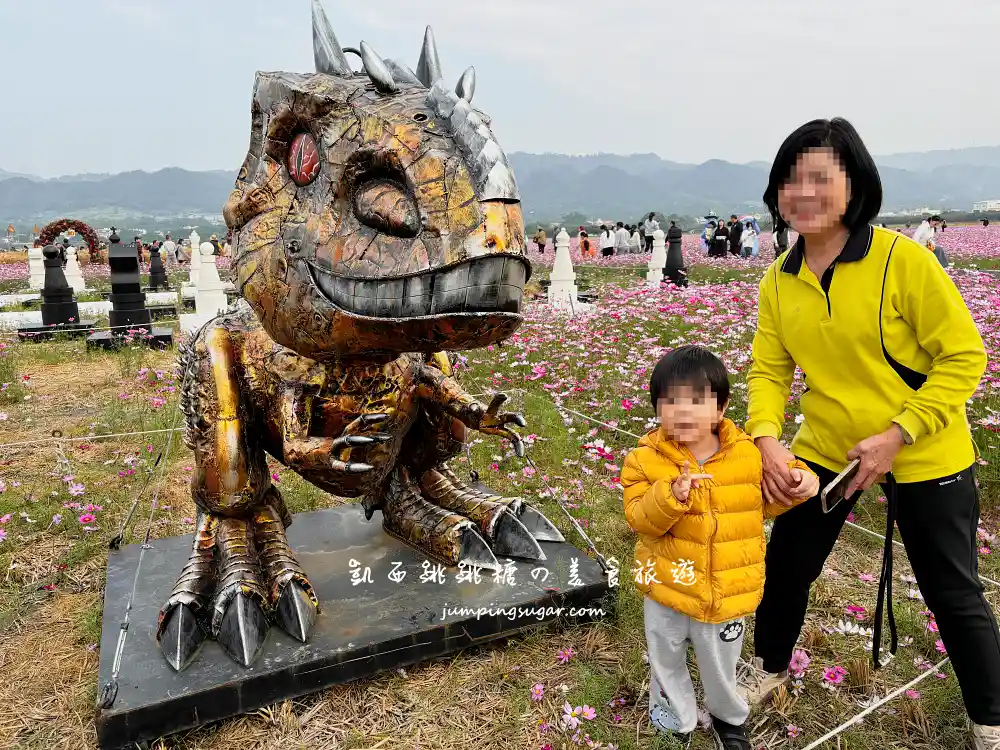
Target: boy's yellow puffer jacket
(704,559)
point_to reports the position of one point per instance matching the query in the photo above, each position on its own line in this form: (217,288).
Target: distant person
(780,241)
(170,247)
(635,245)
(944,225)
(216,247)
(986,222)
(735,232)
(540,240)
(649,226)
(925,232)
(747,238)
(607,241)
(720,240)
(622,237)
(586,248)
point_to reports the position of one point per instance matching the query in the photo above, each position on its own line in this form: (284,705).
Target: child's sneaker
(729,736)
(757,685)
(665,722)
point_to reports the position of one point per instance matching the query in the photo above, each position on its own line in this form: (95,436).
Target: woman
(891,354)
(540,240)
(607,241)
(720,240)
(747,238)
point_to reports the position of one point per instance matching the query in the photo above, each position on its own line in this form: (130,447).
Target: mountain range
(552,185)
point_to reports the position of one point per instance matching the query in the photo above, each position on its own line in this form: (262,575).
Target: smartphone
(833,493)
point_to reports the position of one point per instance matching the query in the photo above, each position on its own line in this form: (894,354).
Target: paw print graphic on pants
(731,632)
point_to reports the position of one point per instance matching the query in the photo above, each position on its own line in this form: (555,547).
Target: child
(693,494)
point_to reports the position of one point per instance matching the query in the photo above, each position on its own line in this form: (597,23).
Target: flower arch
(53,230)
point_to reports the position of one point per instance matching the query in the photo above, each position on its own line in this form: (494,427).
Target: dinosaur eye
(303,159)
(385,206)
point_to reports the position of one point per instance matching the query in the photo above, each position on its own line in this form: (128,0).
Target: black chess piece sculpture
(128,303)
(674,271)
(157,273)
(58,304)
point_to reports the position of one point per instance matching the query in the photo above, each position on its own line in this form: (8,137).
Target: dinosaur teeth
(486,284)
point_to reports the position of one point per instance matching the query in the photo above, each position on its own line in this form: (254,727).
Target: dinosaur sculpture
(376,225)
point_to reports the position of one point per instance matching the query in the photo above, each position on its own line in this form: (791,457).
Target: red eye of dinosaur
(303,159)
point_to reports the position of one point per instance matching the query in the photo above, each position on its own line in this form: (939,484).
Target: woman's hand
(778,485)
(877,454)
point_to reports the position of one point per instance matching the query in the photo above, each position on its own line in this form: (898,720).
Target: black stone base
(44,333)
(162,338)
(361,630)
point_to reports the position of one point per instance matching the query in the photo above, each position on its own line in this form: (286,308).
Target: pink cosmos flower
(799,663)
(913,695)
(834,675)
(866,578)
(565,654)
(86,519)
(793,731)
(537,692)
(939,645)
(571,716)
(588,713)
(856,611)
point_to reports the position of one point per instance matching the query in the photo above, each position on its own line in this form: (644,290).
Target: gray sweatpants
(672,703)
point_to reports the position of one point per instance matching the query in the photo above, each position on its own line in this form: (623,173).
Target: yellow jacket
(704,559)
(885,337)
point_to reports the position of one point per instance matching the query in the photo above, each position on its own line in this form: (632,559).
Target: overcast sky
(115,85)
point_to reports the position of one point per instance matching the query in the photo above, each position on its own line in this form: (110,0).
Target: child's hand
(806,483)
(681,488)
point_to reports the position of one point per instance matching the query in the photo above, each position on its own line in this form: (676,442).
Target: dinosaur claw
(475,551)
(519,449)
(538,525)
(181,637)
(519,420)
(512,539)
(243,630)
(357,468)
(296,612)
(370,419)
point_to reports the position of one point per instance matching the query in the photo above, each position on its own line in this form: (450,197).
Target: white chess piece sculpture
(562,280)
(194,273)
(74,276)
(210,298)
(36,268)
(654,274)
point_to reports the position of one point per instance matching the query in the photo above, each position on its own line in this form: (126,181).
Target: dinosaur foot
(540,527)
(448,538)
(254,575)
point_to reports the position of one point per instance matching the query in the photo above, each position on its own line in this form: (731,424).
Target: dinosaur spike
(466,87)
(429,67)
(402,73)
(377,71)
(329,56)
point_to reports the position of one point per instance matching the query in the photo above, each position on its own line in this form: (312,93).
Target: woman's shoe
(757,685)
(986,738)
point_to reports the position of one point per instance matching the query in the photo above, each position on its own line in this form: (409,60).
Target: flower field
(581,383)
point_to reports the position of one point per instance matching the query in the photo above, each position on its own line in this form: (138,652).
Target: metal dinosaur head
(375,212)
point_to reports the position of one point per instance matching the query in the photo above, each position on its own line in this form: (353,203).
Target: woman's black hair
(689,365)
(840,136)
